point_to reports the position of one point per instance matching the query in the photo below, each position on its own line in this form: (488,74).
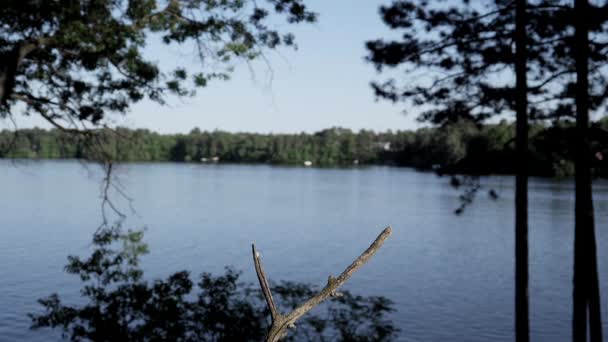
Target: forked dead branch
(280,322)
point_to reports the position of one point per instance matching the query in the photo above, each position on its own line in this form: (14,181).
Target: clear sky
(324,83)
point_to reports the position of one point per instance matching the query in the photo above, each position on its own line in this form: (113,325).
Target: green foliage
(75,62)
(121,306)
(458,58)
(460,147)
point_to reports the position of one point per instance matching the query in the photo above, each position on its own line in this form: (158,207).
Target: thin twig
(280,323)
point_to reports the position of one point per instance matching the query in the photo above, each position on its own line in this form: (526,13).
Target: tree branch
(280,323)
(264,284)
(35,102)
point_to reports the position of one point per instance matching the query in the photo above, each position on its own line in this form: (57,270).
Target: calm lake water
(451,277)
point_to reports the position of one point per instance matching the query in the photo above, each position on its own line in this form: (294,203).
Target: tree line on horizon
(460,147)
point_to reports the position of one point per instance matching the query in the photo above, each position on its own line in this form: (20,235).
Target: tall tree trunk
(586,286)
(9,64)
(522,325)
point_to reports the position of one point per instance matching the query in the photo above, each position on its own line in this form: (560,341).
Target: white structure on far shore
(307,163)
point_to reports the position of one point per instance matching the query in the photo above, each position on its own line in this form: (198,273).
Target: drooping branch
(35,103)
(280,323)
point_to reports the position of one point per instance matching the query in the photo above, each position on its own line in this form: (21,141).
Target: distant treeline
(460,147)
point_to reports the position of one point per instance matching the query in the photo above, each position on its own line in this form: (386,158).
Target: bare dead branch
(264,283)
(280,323)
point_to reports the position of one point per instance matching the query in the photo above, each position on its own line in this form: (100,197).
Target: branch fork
(280,323)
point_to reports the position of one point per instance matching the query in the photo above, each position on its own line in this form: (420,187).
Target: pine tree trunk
(586,286)
(522,329)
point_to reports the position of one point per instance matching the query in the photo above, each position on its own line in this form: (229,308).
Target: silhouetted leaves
(74,62)
(456,59)
(121,306)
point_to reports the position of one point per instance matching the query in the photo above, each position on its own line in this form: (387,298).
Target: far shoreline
(284,166)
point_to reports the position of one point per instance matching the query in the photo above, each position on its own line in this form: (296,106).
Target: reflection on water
(451,277)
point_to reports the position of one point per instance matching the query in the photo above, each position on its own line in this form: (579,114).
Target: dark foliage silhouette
(465,52)
(75,62)
(120,305)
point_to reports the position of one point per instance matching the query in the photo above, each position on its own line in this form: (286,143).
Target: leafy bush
(121,306)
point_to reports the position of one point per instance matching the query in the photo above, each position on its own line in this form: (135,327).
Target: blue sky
(324,83)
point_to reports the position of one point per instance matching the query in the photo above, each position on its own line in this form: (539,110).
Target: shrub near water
(121,306)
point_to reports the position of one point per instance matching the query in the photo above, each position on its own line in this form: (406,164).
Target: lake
(451,277)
